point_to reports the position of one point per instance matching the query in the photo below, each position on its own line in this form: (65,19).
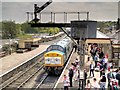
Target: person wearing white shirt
(106,61)
(95,84)
(66,82)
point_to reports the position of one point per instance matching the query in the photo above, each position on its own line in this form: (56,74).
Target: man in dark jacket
(110,76)
(118,77)
(85,76)
(70,76)
(101,54)
(101,69)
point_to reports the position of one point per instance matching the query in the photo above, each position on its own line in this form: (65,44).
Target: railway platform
(59,84)
(12,61)
(76,83)
(9,62)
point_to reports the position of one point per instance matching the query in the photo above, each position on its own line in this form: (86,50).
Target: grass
(24,36)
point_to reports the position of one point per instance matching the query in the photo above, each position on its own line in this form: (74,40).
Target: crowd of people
(109,76)
(100,64)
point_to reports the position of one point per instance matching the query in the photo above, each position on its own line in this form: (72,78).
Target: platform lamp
(10,40)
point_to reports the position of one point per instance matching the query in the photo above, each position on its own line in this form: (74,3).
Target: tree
(18,29)
(26,28)
(8,29)
(0,30)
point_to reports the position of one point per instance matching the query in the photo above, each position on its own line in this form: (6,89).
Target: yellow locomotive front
(53,62)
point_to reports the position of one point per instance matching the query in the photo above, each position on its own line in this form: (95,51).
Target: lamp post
(10,40)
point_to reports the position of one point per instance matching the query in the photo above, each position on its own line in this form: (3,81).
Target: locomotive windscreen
(55,47)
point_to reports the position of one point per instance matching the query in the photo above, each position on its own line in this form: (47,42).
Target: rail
(5,76)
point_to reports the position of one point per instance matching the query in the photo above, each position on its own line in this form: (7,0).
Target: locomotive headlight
(47,60)
(57,60)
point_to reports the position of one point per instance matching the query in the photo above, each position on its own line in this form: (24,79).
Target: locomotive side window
(60,49)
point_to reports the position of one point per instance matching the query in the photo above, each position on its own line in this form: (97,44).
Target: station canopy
(98,40)
(101,38)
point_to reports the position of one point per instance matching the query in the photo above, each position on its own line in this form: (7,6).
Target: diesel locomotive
(56,56)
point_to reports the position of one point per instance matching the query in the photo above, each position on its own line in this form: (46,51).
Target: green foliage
(0,26)
(18,29)
(0,30)
(26,28)
(8,29)
(53,31)
(12,30)
(24,36)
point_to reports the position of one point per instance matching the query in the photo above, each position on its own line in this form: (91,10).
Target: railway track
(23,77)
(46,82)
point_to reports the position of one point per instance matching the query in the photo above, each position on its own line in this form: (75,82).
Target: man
(118,77)
(91,69)
(70,76)
(85,76)
(96,60)
(110,76)
(101,69)
(76,61)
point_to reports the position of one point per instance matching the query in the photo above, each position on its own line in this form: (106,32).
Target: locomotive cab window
(55,47)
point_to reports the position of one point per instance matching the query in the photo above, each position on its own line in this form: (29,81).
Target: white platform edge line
(63,71)
(21,64)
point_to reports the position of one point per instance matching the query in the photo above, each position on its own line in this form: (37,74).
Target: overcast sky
(15,10)
(60,0)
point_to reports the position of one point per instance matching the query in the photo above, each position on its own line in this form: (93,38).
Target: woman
(66,83)
(88,85)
